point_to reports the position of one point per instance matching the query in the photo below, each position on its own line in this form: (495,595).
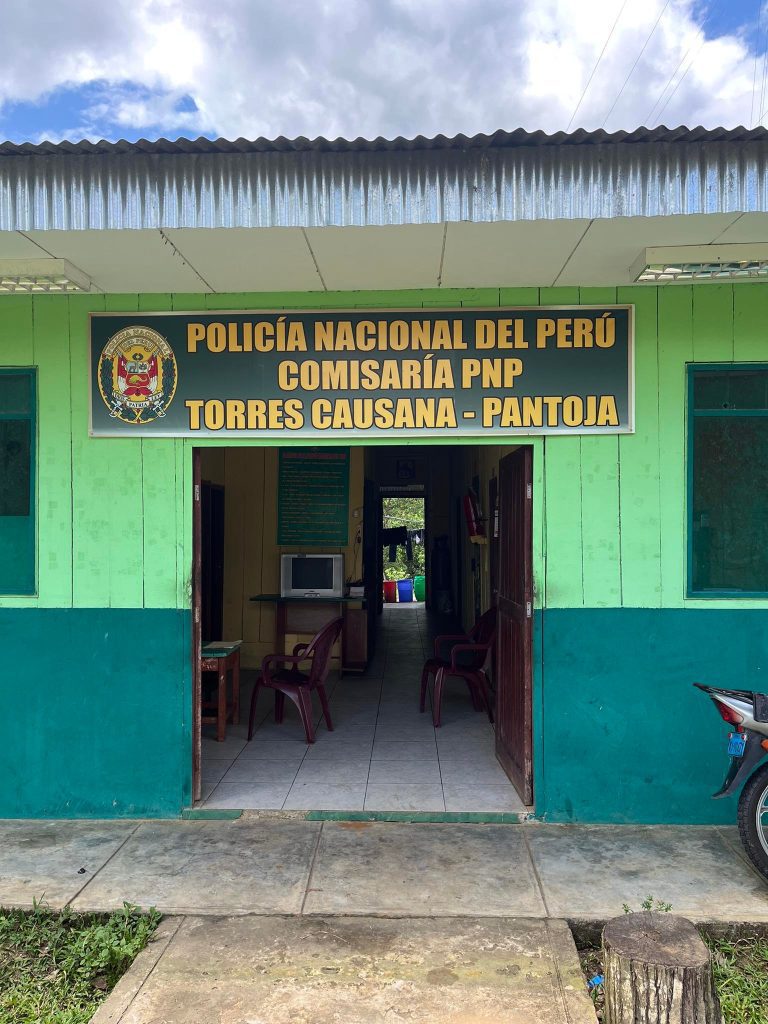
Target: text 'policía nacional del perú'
(341,373)
(394,362)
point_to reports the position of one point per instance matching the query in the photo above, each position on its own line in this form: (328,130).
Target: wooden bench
(220,656)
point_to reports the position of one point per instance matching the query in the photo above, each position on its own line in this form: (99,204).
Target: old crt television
(312,576)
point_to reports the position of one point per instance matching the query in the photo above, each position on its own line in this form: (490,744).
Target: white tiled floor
(382,755)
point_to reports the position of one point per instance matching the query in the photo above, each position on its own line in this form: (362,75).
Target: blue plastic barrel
(405,590)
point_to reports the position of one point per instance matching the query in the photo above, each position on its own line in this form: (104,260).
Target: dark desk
(310,614)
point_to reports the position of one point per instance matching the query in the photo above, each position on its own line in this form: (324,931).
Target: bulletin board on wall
(313,497)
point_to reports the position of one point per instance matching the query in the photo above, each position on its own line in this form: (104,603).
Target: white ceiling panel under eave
(508,254)
(378,257)
(123,261)
(16,246)
(459,254)
(608,249)
(249,259)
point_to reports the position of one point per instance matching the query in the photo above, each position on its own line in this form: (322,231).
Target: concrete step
(362,970)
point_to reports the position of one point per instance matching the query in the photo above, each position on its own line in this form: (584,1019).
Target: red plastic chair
(466,660)
(298,686)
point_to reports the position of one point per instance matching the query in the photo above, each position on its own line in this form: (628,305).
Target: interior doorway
(212,559)
(403,538)
(383,754)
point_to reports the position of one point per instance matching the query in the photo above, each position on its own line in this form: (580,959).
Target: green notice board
(313,497)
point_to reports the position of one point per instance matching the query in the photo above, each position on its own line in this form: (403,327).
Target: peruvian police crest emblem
(137,375)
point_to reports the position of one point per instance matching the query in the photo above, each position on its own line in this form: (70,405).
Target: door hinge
(529,491)
(197,492)
(528,609)
(197,616)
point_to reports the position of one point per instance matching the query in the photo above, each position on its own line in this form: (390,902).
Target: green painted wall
(114,522)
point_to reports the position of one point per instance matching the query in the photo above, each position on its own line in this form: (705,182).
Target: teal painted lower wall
(626,737)
(96,712)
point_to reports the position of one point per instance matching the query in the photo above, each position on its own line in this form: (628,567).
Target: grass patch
(740,967)
(741,976)
(56,967)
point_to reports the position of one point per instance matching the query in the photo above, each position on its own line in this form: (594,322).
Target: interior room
(396,545)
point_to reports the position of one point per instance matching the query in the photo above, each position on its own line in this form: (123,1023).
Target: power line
(637,61)
(680,80)
(762,91)
(754,70)
(594,69)
(765,68)
(669,82)
(682,61)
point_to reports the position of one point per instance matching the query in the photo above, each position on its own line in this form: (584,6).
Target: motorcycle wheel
(753,819)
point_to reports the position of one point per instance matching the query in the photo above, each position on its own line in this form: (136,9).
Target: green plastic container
(420,587)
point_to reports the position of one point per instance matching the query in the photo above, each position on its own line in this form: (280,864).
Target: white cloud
(371,67)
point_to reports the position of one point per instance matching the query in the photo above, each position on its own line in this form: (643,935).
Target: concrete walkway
(295,867)
(274,920)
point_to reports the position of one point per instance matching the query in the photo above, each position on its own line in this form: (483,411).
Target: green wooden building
(649,549)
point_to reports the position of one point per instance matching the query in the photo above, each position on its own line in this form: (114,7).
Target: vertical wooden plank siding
(186,446)
(238,506)
(518,296)
(179,522)
(639,499)
(115,517)
(675,350)
(713,323)
(158,474)
(530,297)
(601,539)
(539,523)
(16,331)
(564,566)
(482,298)
(257,489)
(54,473)
(564,577)
(182,449)
(183,302)
(750,325)
(93,463)
(270,572)
(125,509)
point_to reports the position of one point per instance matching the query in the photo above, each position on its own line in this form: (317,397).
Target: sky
(130,69)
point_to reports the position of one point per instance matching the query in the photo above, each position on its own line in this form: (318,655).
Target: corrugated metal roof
(508,176)
(497,140)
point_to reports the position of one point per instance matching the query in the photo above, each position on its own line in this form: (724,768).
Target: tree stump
(657,971)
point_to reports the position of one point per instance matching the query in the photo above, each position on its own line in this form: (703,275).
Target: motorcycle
(748,746)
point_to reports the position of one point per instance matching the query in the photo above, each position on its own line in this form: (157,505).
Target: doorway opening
(451,527)
(404,541)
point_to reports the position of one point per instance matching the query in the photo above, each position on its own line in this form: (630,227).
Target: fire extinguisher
(475,527)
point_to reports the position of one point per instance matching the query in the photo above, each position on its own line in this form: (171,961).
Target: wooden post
(657,971)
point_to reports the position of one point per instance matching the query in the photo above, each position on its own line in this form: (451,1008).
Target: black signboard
(331,374)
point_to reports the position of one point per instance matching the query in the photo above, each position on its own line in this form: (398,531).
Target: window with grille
(17,481)
(728,481)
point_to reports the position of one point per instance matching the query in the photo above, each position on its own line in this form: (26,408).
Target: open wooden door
(514,664)
(493,552)
(196,623)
